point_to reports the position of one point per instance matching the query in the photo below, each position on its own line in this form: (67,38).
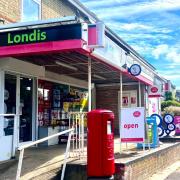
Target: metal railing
(23,147)
(78,120)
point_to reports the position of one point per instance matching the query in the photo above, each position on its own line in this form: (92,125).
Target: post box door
(108,144)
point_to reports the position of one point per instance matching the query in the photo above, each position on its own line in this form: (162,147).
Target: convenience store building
(47,69)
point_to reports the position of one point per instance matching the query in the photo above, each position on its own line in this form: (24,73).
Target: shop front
(48,70)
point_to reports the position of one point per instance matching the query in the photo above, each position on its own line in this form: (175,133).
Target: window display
(56,100)
(129,99)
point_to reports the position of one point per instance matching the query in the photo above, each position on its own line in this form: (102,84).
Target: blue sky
(151,27)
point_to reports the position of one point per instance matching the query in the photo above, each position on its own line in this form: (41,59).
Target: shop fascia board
(64,79)
(122,70)
(18,66)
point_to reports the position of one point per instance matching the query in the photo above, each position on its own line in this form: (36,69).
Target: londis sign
(43,34)
(36,35)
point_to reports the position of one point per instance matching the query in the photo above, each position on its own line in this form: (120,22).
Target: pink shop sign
(177,123)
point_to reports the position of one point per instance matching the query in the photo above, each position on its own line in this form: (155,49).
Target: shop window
(55,101)
(9,103)
(31,10)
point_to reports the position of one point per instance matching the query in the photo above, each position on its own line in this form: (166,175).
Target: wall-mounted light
(99,77)
(2,21)
(66,65)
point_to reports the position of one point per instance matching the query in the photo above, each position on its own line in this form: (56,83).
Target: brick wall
(145,167)
(141,168)
(10,10)
(107,98)
(56,8)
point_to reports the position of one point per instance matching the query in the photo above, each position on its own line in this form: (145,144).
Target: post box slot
(109,127)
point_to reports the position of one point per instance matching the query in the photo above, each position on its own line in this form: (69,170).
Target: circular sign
(171,127)
(160,131)
(158,119)
(154,89)
(135,70)
(168,118)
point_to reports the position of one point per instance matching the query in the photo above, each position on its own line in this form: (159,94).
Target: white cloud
(137,8)
(132,26)
(104,3)
(160,50)
(172,75)
(171,54)
(142,48)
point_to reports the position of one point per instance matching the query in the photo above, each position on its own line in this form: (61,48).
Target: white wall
(14,65)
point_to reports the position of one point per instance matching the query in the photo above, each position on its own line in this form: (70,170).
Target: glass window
(31,10)
(9,103)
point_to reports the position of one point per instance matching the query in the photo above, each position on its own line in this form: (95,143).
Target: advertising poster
(177,123)
(153,106)
(132,124)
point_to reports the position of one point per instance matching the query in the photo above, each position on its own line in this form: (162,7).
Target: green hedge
(165,104)
(175,111)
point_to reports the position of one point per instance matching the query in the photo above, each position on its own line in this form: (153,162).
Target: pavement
(36,161)
(175,175)
(172,172)
(44,163)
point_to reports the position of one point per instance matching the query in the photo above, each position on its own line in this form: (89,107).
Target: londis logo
(136,114)
(154,89)
(36,35)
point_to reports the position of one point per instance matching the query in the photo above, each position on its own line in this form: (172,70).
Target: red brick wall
(10,10)
(107,98)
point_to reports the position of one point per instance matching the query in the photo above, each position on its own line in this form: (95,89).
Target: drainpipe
(89,83)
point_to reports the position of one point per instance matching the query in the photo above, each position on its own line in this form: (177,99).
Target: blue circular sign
(168,119)
(135,70)
(171,127)
(160,131)
(158,119)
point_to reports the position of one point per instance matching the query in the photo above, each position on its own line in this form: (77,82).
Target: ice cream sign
(165,124)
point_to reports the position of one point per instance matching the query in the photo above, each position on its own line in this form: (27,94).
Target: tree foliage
(168,96)
(168,103)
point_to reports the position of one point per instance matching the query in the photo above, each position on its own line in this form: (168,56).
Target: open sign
(132,128)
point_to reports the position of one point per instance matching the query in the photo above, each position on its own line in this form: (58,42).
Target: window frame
(39,2)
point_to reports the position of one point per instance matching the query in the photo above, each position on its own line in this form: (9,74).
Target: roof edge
(94,18)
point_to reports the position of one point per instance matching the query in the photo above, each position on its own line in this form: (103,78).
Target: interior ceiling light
(99,77)
(66,65)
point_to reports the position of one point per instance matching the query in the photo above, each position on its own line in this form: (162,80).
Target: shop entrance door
(20,90)
(25,109)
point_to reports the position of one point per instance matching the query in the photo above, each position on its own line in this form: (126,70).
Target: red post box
(100,147)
